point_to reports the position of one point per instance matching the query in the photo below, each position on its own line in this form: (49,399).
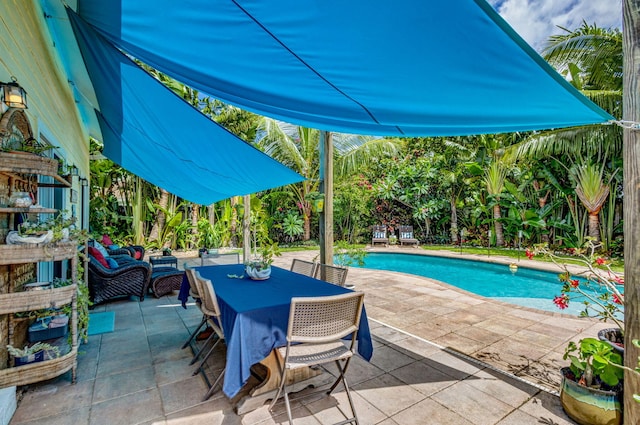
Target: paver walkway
(139,375)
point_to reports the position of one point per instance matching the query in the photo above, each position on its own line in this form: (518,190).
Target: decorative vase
(31,358)
(589,406)
(258,274)
(614,338)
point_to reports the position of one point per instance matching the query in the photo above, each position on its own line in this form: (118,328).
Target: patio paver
(139,375)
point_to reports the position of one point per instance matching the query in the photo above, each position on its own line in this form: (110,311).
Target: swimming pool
(525,287)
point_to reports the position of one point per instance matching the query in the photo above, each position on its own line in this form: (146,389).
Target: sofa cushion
(97,245)
(95,253)
(106,240)
(113,264)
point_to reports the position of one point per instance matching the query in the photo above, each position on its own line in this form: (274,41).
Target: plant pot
(31,358)
(589,406)
(614,337)
(318,205)
(255,274)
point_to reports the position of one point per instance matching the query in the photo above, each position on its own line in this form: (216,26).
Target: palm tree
(591,59)
(592,191)
(494,178)
(298,148)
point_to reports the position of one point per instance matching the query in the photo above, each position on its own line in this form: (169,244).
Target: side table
(164,260)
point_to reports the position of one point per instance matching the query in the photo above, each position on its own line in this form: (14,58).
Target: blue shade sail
(153,133)
(407,67)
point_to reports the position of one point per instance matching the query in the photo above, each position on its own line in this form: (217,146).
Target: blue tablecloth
(255,315)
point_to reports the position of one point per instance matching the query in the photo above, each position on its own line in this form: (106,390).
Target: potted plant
(56,229)
(166,252)
(316,199)
(32,354)
(591,389)
(259,267)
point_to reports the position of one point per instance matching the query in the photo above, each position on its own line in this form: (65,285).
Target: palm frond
(351,156)
(591,140)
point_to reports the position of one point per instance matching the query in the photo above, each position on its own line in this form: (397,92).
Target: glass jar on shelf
(20,200)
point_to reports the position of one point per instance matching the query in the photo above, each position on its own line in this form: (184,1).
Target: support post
(631,162)
(326,188)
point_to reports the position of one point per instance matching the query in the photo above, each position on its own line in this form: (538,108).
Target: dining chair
(193,292)
(210,308)
(220,258)
(304,267)
(332,274)
(314,337)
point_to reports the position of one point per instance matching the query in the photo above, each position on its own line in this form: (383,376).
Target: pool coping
(475,257)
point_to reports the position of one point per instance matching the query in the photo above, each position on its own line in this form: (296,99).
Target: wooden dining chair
(332,274)
(193,292)
(210,308)
(304,267)
(314,337)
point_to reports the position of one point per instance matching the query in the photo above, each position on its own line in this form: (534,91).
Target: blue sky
(536,20)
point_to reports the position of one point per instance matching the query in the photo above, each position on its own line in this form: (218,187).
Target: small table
(164,260)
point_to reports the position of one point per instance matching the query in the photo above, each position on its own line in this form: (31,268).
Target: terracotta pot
(589,406)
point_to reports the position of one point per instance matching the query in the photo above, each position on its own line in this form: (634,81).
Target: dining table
(255,314)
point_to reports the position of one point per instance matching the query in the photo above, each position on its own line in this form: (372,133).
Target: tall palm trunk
(594,225)
(306,218)
(158,226)
(498,225)
(454,222)
(233,223)
(542,202)
(195,212)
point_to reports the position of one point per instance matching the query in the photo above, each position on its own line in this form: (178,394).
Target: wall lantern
(13,95)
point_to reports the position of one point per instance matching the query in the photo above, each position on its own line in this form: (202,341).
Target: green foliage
(347,254)
(352,209)
(173,226)
(35,348)
(209,235)
(292,225)
(594,359)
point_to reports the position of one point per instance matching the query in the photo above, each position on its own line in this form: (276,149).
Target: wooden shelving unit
(19,167)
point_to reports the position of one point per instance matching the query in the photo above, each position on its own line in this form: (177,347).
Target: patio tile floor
(139,375)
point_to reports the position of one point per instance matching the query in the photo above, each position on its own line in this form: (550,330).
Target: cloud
(536,20)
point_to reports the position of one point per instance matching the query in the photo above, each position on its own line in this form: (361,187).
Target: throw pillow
(137,255)
(106,240)
(113,264)
(113,247)
(95,253)
(101,248)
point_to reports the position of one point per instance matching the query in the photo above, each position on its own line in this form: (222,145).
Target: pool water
(525,287)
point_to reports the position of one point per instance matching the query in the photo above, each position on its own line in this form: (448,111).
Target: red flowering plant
(593,283)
